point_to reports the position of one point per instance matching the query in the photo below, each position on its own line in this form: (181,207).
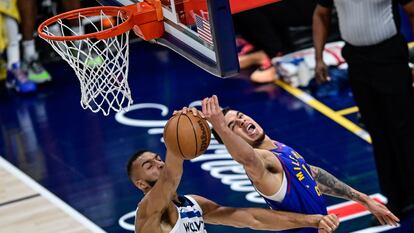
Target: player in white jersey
(163,211)
(190,217)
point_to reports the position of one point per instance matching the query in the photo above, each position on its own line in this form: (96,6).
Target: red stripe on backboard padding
(350,209)
(243,5)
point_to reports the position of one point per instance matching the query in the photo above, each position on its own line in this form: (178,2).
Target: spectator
(28,10)
(10,37)
(267,29)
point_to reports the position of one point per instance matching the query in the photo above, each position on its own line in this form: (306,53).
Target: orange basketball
(187,135)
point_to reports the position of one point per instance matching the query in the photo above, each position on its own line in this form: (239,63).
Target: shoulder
(144,209)
(205,204)
(198,200)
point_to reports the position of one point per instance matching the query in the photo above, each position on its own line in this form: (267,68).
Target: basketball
(187,135)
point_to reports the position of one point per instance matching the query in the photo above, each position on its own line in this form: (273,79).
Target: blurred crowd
(20,64)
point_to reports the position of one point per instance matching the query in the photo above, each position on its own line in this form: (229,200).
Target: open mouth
(251,129)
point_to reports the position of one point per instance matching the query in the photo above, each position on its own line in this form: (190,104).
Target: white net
(100,65)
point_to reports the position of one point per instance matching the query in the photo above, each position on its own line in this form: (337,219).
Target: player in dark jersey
(279,174)
(163,211)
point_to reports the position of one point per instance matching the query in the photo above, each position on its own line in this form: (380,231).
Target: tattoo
(330,185)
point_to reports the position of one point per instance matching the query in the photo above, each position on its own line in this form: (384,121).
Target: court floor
(79,157)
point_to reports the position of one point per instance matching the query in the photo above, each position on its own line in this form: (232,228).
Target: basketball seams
(177,130)
(208,132)
(177,136)
(166,135)
(195,135)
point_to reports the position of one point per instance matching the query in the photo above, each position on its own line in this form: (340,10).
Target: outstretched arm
(240,150)
(161,194)
(262,219)
(157,200)
(330,185)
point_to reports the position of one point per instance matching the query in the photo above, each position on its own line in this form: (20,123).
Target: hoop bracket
(147,19)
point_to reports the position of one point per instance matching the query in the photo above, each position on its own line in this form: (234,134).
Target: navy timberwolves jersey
(302,194)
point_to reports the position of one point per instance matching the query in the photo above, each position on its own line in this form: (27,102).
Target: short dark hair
(216,136)
(132,159)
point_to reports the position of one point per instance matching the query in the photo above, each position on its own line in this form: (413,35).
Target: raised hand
(212,111)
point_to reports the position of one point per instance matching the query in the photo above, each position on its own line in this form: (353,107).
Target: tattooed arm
(330,185)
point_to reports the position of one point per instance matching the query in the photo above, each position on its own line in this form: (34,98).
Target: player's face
(150,166)
(245,127)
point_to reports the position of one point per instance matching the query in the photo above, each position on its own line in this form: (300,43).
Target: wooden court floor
(26,207)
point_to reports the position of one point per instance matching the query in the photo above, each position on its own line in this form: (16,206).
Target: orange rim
(91,11)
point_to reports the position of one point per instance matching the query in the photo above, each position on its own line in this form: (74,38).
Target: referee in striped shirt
(381,81)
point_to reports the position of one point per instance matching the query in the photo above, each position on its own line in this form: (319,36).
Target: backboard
(199,30)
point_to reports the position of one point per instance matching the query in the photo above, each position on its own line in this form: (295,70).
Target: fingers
(196,112)
(193,110)
(204,106)
(381,220)
(326,74)
(389,214)
(324,226)
(323,77)
(391,219)
(329,223)
(385,216)
(332,221)
(209,106)
(209,110)
(184,110)
(214,105)
(201,114)
(216,102)
(386,220)
(322,74)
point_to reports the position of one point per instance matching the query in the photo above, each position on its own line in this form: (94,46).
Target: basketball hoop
(100,58)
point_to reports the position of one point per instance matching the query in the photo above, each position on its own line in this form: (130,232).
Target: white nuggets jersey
(190,217)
